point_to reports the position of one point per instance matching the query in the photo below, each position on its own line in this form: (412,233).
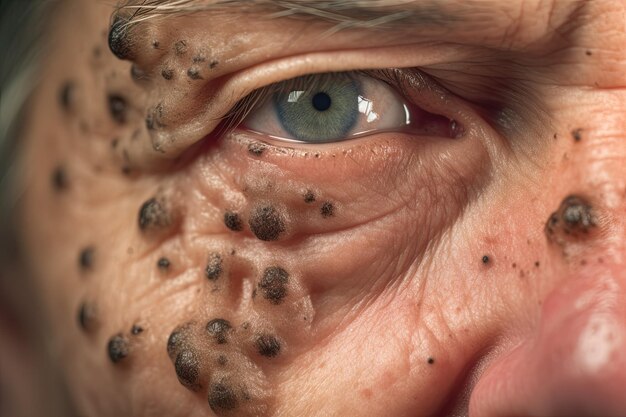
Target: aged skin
(478,270)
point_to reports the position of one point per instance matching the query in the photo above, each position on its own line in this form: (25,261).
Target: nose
(575,362)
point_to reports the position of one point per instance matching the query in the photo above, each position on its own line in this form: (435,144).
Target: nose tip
(575,362)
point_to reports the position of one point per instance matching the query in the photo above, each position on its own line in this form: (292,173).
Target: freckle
(267,223)
(118,39)
(163,263)
(136,329)
(213,64)
(66,95)
(431,361)
(273,284)
(588,53)
(309,197)
(577,134)
(180,47)
(256,148)
(59,179)
(485,259)
(87,316)
(233,221)
(194,74)
(537,264)
(583,262)
(117,348)
(327,210)
(222,397)
(167,73)
(268,346)
(118,108)
(186,366)
(86,258)
(219,329)
(153,215)
(555,136)
(214,267)
(514,265)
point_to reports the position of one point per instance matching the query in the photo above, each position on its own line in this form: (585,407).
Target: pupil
(321,101)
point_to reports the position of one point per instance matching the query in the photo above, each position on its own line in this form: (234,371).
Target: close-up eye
(332,107)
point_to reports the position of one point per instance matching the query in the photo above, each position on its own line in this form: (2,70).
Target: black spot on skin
(268,346)
(194,74)
(577,134)
(117,348)
(155,44)
(485,259)
(537,264)
(118,39)
(118,108)
(163,263)
(66,95)
(588,53)
(59,179)
(219,330)
(153,215)
(233,221)
(309,197)
(186,366)
(574,218)
(327,210)
(213,64)
(267,223)
(256,148)
(114,143)
(198,59)
(274,284)
(86,258)
(155,117)
(175,341)
(222,397)
(180,47)
(136,329)
(167,73)
(87,316)
(431,361)
(214,267)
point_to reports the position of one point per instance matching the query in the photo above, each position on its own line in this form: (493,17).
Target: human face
(471,263)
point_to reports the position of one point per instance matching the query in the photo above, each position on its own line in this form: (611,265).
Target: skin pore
(189,265)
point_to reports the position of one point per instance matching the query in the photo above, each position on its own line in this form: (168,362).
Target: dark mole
(485,259)
(186,366)
(537,264)
(168,73)
(87,314)
(233,221)
(194,74)
(155,44)
(175,341)
(85,258)
(117,348)
(574,217)
(214,267)
(118,108)
(219,329)
(222,397)
(431,361)
(152,214)
(118,39)
(221,360)
(66,95)
(309,197)
(180,47)
(268,346)
(577,134)
(588,53)
(59,179)
(136,329)
(267,223)
(213,64)
(197,59)
(163,263)
(256,148)
(274,284)
(327,210)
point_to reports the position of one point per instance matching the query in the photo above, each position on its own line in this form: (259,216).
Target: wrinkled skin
(389,308)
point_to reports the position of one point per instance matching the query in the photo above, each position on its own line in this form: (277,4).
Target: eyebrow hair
(344,14)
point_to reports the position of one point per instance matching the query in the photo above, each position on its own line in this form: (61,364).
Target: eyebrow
(346,14)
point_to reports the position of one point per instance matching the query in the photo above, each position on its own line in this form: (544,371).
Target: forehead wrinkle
(344,14)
